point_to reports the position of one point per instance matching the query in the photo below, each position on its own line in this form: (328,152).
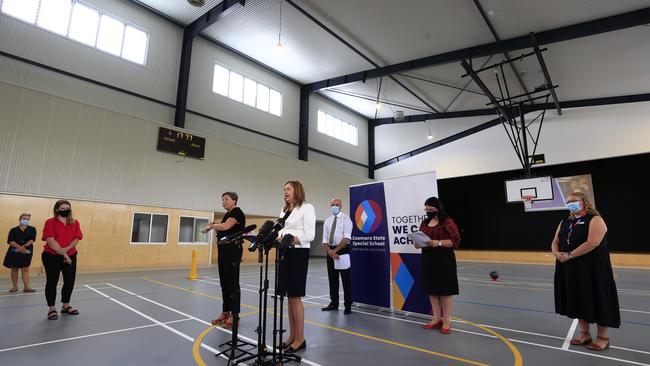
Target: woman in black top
(229,255)
(19,254)
(584,280)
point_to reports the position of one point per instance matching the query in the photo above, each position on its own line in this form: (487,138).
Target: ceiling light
(429,136)
(280,45)
(378,105)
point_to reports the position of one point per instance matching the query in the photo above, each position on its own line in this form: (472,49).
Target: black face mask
(431,215)
(64,213)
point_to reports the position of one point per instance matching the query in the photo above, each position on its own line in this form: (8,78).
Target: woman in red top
(439,277)
(61,235)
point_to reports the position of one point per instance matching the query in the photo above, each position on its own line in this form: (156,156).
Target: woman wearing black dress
(439,277)
(19,254)
(584,280)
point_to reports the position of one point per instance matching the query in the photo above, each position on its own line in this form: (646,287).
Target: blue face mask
(574,206)
(24,222)
(335,210)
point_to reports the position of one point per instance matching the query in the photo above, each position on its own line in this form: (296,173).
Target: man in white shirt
(337,232)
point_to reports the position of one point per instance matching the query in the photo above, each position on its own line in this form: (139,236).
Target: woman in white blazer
(301,223)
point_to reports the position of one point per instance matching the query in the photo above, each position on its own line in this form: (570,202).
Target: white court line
(90,335)
(569,335)
(41,293)
(356,310)
(201,321)
(183,335)
(635,311)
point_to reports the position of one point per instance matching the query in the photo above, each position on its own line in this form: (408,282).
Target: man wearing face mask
(337,232)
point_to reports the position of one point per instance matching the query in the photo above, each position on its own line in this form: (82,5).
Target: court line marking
(177,332)
(462,330)
(519,361)
(367,336)
(41,293)
(569,335)
(90,335)
(195,318)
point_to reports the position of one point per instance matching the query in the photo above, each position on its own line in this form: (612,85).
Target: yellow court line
(515,352)
(195,292)
(361,335)
(382,340)
(197,345)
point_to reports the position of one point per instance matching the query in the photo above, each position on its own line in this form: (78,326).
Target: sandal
(69,310)
(13,290)
(595,347)
(578,342)
(222,318)
(228,323)
(52,315)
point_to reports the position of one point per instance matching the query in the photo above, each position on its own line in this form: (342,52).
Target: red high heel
(578,342)
(445,330)
(436,325)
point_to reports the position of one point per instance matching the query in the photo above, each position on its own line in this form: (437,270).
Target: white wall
(157,80)
(579,134)
(61,148)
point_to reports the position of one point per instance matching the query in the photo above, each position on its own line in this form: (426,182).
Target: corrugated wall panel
(10,104)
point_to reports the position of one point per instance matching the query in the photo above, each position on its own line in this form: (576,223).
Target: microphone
(236,235)
(286,242)
(264,231)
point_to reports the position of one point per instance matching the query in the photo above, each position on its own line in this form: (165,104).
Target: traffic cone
(193,276)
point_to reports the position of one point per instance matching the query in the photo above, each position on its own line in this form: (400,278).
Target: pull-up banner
(384,260)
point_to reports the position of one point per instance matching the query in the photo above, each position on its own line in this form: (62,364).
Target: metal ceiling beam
(561,34)
(355,50)
(498,39)
(591,102)
(432,116)
(484,88)
(213,15)
(547,76)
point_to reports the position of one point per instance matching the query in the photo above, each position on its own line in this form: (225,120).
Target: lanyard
(571,227)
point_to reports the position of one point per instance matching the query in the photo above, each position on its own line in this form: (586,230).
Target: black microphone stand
(235,344)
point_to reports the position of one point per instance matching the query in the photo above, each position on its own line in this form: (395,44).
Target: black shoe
(330,307)
(348,310)
(290,349)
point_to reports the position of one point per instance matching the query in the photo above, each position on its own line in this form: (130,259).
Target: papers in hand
(343,262)
(419,238)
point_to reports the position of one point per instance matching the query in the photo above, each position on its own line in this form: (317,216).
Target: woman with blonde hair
(300,222)
(584,280)
(61,234)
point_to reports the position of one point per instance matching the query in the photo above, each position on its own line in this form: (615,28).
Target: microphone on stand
(238,234)
(264,231)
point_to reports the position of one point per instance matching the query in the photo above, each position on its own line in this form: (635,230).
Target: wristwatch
(439,243)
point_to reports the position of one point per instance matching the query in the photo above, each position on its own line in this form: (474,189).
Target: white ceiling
(389,32)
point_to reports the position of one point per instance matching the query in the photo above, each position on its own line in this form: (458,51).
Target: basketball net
(528,201)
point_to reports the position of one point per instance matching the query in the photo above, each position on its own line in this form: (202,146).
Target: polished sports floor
(162,318)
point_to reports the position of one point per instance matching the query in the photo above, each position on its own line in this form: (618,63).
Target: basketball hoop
(528,201)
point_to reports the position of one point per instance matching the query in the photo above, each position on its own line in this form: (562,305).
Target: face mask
(574,206)
(64,213)
(431,215)
(24,222)
(335,210)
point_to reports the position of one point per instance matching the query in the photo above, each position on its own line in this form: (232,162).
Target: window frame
(179,242)
(334,118)
(101,12)
(148,242)
(257,83)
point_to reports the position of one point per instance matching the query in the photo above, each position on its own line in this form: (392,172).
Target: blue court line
(535,311)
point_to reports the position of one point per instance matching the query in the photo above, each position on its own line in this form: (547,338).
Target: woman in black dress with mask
(439,277)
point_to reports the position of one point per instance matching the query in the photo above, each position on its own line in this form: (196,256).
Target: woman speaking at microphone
(228,254)
(301,224)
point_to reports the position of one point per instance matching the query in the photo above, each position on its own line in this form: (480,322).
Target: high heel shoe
(445,330)
(578,342)
(595,347)
(436,325)
(290,349)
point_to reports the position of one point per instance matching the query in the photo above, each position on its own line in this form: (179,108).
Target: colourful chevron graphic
(402,281)
(368,216)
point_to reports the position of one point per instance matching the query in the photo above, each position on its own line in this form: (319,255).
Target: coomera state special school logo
(368,216)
